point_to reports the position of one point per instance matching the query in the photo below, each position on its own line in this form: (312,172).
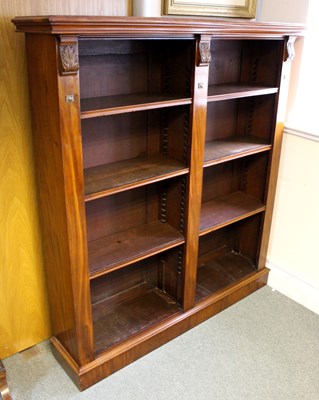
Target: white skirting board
(293,287)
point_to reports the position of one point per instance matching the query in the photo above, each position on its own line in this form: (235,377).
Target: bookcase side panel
(42,59)
(69,107)
(277,116)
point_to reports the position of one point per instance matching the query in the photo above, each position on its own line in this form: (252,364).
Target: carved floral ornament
(204,51)
(69,58)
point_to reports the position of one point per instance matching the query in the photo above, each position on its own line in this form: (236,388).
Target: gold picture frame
(208,8)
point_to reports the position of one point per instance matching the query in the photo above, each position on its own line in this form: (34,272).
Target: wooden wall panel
(24,315)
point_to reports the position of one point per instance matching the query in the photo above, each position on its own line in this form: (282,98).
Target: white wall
(293,248)
(292,254)
(283,10)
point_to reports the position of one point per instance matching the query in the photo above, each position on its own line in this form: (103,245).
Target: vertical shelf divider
(199,109)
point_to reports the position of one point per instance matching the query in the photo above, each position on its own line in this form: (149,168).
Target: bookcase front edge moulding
(157,147)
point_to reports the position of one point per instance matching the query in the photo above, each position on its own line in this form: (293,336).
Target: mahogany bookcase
(157,145)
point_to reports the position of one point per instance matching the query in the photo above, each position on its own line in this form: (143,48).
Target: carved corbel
(69,56)
(290,48)
(204,51)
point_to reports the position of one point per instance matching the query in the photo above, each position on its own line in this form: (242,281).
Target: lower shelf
(139,345)
(115,324)
(219,273)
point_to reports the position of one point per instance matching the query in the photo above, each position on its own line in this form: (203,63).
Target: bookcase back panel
(135,298)
(225,66)
(249,117)
(132,208)
(159,271)
(256,117)
(131,71)
(241,237)
(258,64)
(120,212)
(127,136)
(116,138)
(221,119)
(250,236)
(124,284)
(245,61)
(134,66)
(175,125)
(227,255)
(247,175)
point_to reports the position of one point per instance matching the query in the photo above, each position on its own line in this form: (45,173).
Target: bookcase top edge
(90,25)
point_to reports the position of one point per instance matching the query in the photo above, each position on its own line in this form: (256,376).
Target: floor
(266,347)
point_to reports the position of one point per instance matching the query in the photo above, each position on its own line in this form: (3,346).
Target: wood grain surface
(23,303)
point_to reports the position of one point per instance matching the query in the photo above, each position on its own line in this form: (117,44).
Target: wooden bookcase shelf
(218,151)
(123,248)
(112,178)
(110,105)
(228,209)
(156,174)
(237,91)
